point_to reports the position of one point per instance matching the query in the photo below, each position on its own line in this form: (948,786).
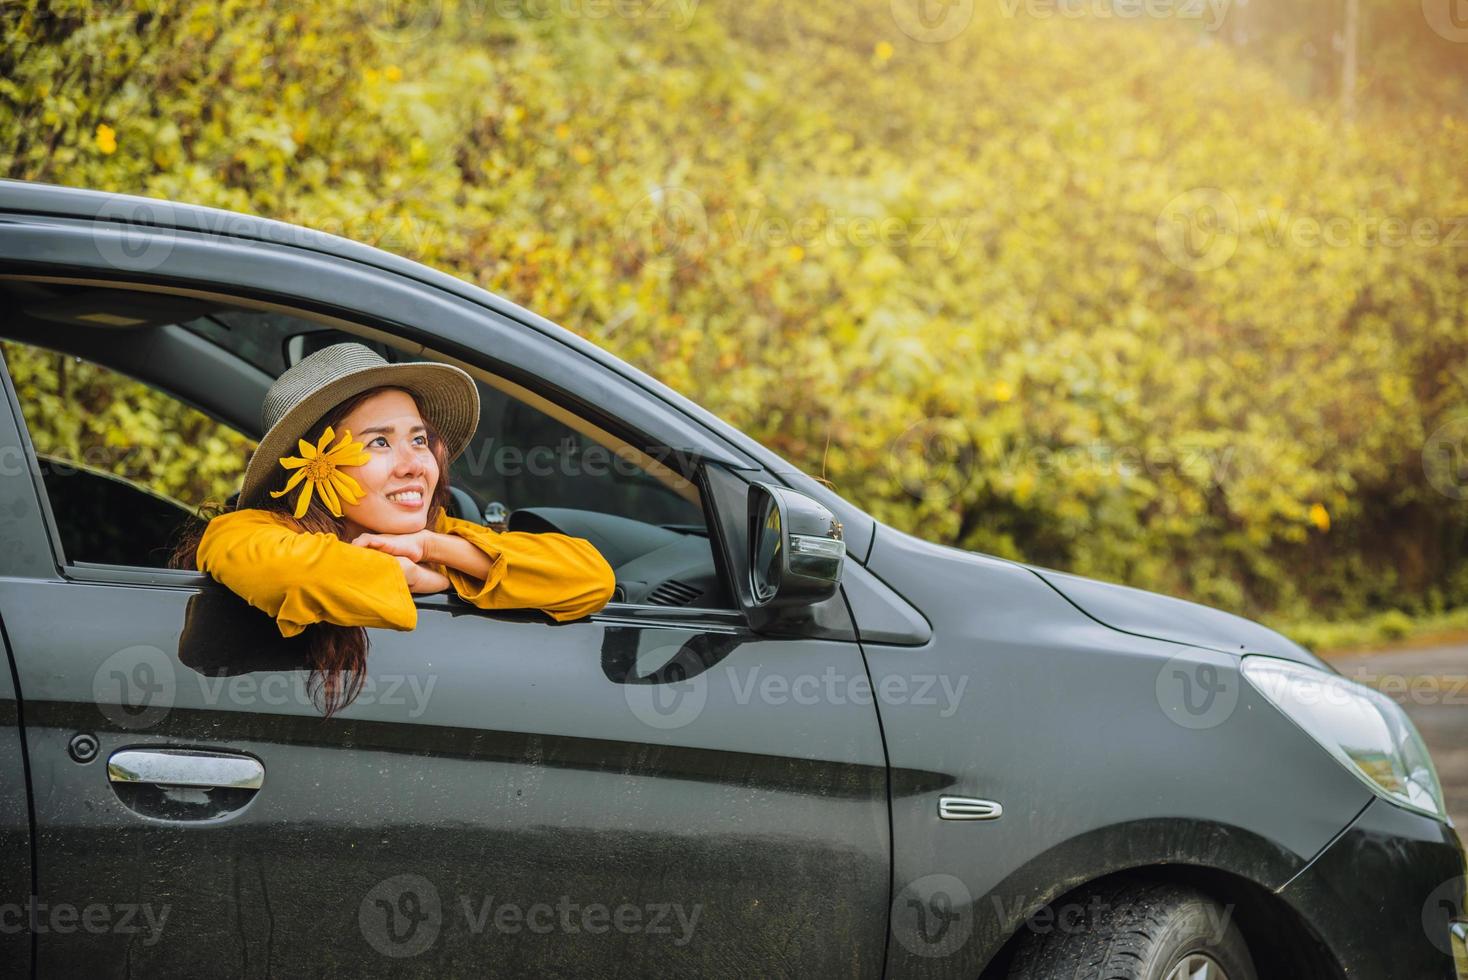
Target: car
(797,742)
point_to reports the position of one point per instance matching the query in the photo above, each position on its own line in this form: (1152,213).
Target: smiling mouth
(407,498)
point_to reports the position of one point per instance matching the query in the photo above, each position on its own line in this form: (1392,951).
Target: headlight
(1365,730)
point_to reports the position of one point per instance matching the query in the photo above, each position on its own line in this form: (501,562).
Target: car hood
(1175,620)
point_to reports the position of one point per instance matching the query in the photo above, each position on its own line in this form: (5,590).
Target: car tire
(1134,931)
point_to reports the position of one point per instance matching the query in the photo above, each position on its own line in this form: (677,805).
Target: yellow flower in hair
(317,466)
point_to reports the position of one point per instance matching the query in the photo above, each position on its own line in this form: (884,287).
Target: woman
(341,536)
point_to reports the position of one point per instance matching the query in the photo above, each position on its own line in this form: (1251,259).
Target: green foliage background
(976,284)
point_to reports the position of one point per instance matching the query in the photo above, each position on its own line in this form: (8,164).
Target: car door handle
(968,808)
(186,767)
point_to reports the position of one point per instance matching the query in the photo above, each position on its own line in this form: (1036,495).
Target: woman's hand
(411,551)
(431,546)
(426,546)
(422,580)
(414,547)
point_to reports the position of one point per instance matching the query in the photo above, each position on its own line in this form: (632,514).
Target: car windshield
(260,337)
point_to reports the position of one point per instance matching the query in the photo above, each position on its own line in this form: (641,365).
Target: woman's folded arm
(564,576)
(303,577)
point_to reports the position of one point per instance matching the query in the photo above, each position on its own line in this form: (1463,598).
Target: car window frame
(734,616)
(191,252)
(404,338)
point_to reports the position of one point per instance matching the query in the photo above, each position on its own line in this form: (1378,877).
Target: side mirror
(795,548)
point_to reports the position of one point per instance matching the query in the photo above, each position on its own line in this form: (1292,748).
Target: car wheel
(1134,931)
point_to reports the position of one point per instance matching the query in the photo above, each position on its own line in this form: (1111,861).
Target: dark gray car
(797,743)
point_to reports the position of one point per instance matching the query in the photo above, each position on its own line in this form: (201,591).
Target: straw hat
(447,398)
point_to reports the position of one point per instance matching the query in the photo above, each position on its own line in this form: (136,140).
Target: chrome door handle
(968,808)
(186,767)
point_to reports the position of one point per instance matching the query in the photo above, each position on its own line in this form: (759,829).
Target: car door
(646,789)
(15,835)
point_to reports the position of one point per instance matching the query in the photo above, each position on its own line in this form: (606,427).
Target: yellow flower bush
(1119,297)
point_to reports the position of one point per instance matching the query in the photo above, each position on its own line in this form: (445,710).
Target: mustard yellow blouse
(300,578)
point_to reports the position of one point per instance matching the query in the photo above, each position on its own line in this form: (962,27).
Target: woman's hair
(337,655)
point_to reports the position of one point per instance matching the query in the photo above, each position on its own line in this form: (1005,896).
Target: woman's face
(399,479)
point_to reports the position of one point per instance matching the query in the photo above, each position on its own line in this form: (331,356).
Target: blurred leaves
(1111,296)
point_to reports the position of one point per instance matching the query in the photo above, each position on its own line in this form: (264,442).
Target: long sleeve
(561,575)
(300,578)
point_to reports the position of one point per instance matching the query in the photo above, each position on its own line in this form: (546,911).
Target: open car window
(123,464)
(155,418)
(526,452)
(534,466)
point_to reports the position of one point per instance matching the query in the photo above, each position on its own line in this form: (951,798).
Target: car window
(534,465)
(525,453)
(258,336)
(110,444)
(123,464)
(521,456)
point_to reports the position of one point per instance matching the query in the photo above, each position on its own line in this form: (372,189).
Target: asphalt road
(1432,684)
